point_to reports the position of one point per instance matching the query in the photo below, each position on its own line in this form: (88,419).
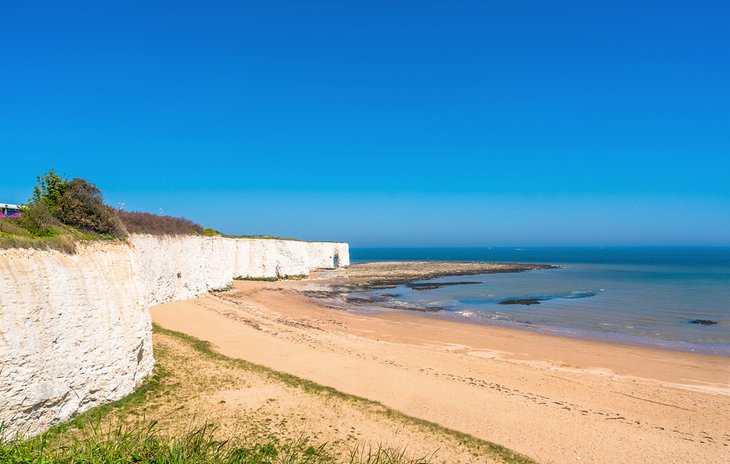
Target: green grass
(210,232)
(61,237)
(143,443)
(274,237)
(274,278)
(264,237)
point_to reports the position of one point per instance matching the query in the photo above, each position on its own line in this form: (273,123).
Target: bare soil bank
(554,399)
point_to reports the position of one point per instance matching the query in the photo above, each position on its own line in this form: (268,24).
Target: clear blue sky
(382,123)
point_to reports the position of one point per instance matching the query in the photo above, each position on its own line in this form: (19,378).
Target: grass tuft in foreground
(383,455)
(143,443)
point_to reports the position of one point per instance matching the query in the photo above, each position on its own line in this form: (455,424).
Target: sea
(674,298)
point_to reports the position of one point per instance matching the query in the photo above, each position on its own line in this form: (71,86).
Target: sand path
(556,400)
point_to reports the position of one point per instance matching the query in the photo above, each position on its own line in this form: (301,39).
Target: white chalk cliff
(75,330)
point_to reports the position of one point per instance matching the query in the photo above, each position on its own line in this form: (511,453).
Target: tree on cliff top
(49,191)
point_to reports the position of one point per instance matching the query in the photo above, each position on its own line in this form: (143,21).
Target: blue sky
(382,123)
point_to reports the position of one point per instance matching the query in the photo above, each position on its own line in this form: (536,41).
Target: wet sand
(553,399)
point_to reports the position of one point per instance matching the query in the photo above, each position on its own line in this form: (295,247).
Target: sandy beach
(552,399)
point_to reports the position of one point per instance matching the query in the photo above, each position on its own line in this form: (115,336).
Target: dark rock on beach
(435,285)
(380,286)
(521,301)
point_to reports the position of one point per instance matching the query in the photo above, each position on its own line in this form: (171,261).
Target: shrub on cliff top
(146,223)
(211,232)
(82,206)
(38,220)
(62,211)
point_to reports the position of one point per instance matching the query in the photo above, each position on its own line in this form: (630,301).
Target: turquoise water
(645,296)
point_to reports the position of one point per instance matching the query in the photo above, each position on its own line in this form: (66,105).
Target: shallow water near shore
(673,298)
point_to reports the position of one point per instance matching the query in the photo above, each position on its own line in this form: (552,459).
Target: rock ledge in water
(521,301)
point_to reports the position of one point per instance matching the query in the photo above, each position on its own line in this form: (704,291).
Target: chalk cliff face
(75,331)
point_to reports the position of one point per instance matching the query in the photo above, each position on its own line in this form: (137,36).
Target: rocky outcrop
(75,331)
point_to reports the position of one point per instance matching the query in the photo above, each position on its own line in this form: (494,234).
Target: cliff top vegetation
(62,212)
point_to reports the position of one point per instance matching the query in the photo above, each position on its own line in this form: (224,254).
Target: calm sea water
(645,296)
